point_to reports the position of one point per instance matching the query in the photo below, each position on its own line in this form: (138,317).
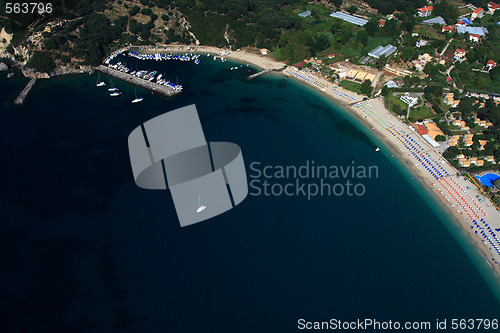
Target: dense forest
(388,6)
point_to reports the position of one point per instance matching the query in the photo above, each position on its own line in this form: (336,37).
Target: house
(474,38)
(454,140)
(490,159)
(381,23)
(449,99)
(460,123)
(492,7)
(473,160)
(421,43)
(298,65)
(48,28)
(422,60)
(460,53)
(464,163)
(410,99)
(305,14)
(480,162)
(481,123)
(331,56)
(433,129)
(468,139)
(447,28)
(482,143)
(490,64)
(264,51)
(478,13)
(425,11)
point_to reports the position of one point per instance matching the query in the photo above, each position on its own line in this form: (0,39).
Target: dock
(22,96)
(161,89)
(259,73)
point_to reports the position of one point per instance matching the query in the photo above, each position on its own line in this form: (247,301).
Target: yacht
(115,93)
(112,87)
(137,99)
(99,82)
(201,207)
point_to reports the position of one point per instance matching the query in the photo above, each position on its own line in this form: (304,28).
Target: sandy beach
(479,220)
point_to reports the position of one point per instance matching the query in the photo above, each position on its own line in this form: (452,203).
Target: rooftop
(435,20)
(382,51)
(472,30)
(349,18)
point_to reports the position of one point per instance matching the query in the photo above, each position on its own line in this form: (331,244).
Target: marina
(140,81)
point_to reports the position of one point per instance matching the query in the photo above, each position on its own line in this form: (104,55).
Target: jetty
(253,76)
(164,90)
(22,96)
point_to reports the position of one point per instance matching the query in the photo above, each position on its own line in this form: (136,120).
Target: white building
(409,99)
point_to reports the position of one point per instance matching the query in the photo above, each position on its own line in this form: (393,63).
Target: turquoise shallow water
(85,249)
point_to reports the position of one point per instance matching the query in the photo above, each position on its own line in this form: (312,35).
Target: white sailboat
(201,207)
(137,99)
(378,149)
(99,82)
(115,93)
(112,87)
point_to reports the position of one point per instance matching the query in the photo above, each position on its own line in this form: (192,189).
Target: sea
(83,249)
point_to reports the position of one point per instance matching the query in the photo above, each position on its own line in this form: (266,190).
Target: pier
(259,73)
(22,96)
(164,90)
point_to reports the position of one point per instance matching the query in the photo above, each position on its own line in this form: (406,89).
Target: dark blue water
(83,249)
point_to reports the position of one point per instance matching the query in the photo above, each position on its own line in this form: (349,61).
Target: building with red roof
(460,53)
(490,64)
(381,23)
(478,13)
(446,28)
(422,130)
(492,7)
(425,11)
(474,38)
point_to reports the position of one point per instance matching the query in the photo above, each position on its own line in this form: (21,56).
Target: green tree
(366,87)
(352,9)
(385,91)
(134,10)
(41,62)
(440,138)
(451,152)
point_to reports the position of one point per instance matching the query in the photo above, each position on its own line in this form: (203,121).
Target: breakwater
(22,96)
(164,90)
(259,73)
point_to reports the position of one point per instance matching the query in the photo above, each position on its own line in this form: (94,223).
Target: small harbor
(140,81)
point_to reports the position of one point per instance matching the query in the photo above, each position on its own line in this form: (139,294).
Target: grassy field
(394,100)
(420,113)
(352,86)
(374,42)
(429,31)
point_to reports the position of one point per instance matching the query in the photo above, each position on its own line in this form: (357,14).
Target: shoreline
(427,184)
(348,100)
(240,55)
